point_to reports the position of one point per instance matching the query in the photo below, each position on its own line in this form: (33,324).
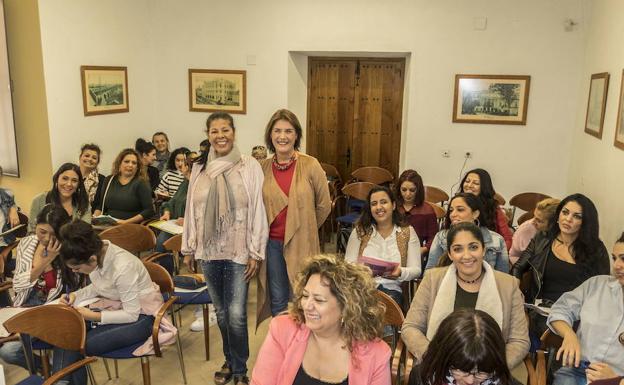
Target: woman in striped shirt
(176,167)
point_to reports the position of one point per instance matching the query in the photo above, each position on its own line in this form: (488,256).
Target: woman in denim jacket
(465,207)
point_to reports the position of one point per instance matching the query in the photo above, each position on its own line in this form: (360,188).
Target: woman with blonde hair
(542,215)
(331,334)
(297,201)
(127,195)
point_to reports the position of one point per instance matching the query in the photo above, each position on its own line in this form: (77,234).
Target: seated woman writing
(39,275)
(127,195)
(469,282)
(598,303)
(384,243)
(468,349)
(67,191)
(331,333)
(466,208)
(122,283)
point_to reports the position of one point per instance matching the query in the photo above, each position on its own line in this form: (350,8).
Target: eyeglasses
(479,376)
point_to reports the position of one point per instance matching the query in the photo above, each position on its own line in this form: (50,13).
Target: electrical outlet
(468,155)
(446,154)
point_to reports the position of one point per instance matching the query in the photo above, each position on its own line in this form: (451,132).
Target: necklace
(284,166)
(471,281)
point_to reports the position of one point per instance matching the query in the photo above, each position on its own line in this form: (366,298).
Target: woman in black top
(564,257)
(127,195)
(147,154)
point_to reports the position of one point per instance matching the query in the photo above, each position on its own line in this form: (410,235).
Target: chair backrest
(160,276)
(499,199)
(23,231)
(131,237)
(59,325)
(174,243)
(331,172)
(550,340)
(440,212)
(525,217)
(435,195)
(527,201)
(394,314)
(372,174)
(358,190)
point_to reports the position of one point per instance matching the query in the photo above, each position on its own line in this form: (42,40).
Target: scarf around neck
(220,204)
(91,182)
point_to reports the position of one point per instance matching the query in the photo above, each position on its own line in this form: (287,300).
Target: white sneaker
(198,325)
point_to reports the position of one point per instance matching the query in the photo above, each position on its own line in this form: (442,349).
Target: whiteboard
(8,144)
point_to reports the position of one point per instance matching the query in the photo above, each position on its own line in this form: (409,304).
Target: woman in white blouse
(384,243)
(124,315)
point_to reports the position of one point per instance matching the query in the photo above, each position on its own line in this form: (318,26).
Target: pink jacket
(282,353)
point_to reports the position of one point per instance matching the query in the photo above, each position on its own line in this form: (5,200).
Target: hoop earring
(476,222)
(621,338)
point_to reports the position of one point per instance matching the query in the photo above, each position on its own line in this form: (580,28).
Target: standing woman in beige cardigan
(296,197)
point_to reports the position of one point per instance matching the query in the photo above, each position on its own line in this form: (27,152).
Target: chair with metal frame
(57,325)
(161,277)
(525,201)
(348,207)
(131,237)
(394,318)
(372,174)
(436,195)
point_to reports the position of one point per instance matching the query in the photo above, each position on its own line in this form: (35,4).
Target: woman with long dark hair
(67,191)
(147,154)
(465,207)
(410,194)
(565,256)
(383,242)
(468,349)
(479,183)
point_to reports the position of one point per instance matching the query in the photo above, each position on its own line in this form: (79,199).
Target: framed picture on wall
(596,104)
(491,99)
(104,90)
(619,126)
(218,90)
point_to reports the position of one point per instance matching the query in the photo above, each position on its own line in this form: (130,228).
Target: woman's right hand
(68,299)
(166,216)
(570,350)
(189,261)
(53,248)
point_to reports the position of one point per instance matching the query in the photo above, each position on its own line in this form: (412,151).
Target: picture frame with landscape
(218,90)
(619,126)
(104,90)
(491,99)
(596,104)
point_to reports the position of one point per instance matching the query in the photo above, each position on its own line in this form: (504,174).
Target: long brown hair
(116,171)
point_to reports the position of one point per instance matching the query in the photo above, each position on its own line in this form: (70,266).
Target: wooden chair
(440,212)
(161,277)
(346,208)
(394,317)
(173,245)
(525,217)
(372,174)
(131,237)
(550,343)
(333,178)
(435,195)
(58,325)
(499,199)
(334,182)
(526,201)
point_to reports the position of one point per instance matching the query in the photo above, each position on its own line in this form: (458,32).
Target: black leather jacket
(534,257)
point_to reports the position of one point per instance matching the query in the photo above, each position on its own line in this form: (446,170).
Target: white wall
(596,166)
(160,39)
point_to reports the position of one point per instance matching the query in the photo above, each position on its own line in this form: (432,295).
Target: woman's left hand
(88,315)
(394,274)
(599,371)
(251,269)
(13,217)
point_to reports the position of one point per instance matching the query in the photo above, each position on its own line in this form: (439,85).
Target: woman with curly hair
(67,191)
(127,195)
(331,334)
(479,183)
(468,349)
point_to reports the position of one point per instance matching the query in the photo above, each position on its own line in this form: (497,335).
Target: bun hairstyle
(79,242)
(144,147)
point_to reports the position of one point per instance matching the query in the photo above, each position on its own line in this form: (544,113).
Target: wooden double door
(355,110)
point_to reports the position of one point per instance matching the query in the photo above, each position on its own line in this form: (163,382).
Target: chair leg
(206,331)
(91,376)
(107,368)
(116,369)
(145,369)
(45,363)
(181,357)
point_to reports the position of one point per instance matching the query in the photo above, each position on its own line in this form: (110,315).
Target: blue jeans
(166,262)
(570,376)
(107,338)
(227,288)
(277,277)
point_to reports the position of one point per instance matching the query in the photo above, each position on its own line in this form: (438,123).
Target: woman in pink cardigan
(331,332)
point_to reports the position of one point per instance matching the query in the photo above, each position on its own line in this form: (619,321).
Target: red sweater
(283,179)
(503,228)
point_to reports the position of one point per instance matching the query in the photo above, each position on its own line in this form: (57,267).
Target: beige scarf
(91,182)
(220,205)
